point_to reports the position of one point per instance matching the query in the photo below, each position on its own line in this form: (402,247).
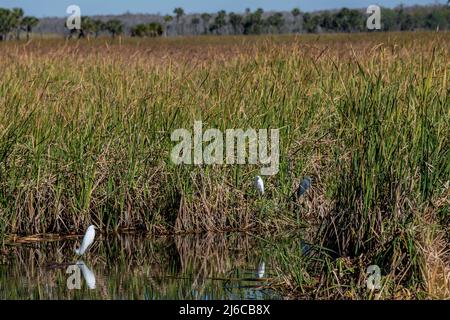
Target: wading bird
(305,248)
(259,184)
(87,241)
(304,185)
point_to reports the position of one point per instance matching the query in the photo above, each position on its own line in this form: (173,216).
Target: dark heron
(303,187)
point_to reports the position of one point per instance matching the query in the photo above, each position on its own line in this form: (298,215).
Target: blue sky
(49,8)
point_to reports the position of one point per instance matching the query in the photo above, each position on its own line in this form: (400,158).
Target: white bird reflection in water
(261,270)
(87,273)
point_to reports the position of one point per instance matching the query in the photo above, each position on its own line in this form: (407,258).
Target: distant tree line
(344,20)
(401,18)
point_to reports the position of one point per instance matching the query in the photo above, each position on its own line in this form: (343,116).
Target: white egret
(259,184)
(87,240)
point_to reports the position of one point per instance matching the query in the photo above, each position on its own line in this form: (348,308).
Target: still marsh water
(231,266)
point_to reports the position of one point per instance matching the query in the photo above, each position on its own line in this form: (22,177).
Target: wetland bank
(85,132)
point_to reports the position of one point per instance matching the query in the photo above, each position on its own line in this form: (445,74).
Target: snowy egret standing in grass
(87,241)
(259,184)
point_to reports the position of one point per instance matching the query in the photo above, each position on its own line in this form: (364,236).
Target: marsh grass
(85,138)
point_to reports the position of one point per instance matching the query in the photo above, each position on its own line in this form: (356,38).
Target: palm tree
(5,23)
(253,22)
(206,17)
(153,29)
(235,21)
(220,20)
(167,20)
(275,22)
(179,12)
(295,13)
(97,27)
(115,27)
(195,22)
(87,26)
(28,23)
(17,16)
(139,30)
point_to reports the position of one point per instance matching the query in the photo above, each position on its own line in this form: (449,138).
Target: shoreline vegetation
(85,139)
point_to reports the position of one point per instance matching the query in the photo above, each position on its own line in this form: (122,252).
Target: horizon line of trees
(401,18)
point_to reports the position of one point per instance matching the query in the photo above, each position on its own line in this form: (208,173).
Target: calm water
(230,266)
